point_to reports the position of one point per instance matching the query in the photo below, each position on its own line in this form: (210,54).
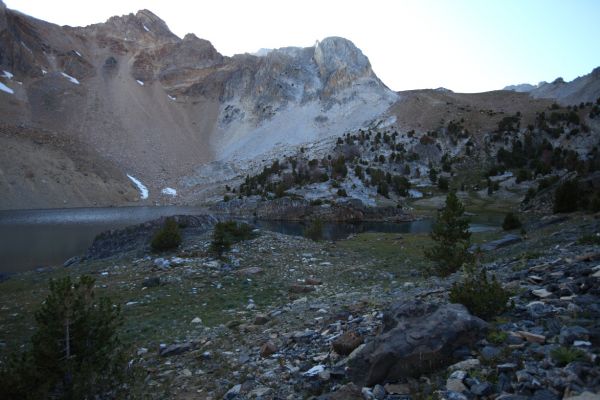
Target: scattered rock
(297,288)
(507,240)
(152,281)
(261,319)
(490,352)
(313,281)
(531,337)
(249,271)
(482,389)
(455,385)
(267,349)
(471,363)
(346,392)
(346,343)
(176,349)
(397,388)
(541,293)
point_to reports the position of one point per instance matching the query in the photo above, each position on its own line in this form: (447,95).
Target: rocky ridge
(581,89)
(160,107)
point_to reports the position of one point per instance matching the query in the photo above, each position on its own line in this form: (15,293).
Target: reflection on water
(36,238)
(341,230)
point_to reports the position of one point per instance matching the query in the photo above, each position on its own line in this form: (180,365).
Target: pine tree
(451,235)
(75,350)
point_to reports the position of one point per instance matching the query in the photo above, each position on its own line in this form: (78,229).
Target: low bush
(443,184)
(314,230)
(589,239)
(227,233)
(566,197)
(565,355)
(511,221)
(168,237)
(483,297)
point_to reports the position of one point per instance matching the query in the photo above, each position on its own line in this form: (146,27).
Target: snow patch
(44,72)
(27,48)
(7,74)
(6,89)
(140,82)
(171,97)
(169,191)
(70,78)
(415,194)
(143,189)
(146,28)
(78,53)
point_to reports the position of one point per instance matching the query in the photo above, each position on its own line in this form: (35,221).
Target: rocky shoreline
(299,209)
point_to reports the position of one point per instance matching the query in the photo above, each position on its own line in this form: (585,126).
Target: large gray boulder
(418,338)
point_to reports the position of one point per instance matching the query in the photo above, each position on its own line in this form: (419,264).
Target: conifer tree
(75,352)
(452,238)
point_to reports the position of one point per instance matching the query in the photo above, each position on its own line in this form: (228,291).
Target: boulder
(267,349)
(418,338)
(507,240)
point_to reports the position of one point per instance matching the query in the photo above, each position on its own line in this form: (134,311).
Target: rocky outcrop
(418,338)
(137,237)
(295,209)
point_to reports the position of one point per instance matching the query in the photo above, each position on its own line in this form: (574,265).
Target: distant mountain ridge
(582,89)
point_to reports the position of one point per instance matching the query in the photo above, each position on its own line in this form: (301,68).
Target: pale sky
(465,46)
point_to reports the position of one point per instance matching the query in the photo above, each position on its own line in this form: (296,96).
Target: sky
(462,45)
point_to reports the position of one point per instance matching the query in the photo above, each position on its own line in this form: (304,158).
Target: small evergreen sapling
(451,235)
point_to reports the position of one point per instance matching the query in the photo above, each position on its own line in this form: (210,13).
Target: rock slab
(418,338)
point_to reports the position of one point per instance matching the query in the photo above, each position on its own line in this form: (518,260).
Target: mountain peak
(333,53)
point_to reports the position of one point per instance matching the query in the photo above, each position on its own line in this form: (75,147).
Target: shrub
(342,193)
(565,355)
(383,189)
(451,235)
(75,351)
(227,233)
(589,239)
(523,175)
(594,205)
(443,184)
(168,237)
(566,197)
(497,337)
(511,221)
(483,297)
(314,230)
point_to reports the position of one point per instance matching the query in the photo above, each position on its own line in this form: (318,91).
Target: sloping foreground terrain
(285,317)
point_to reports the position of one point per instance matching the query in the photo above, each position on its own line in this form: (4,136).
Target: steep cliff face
(160,108)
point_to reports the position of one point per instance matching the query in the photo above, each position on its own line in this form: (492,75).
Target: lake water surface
(31,239)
